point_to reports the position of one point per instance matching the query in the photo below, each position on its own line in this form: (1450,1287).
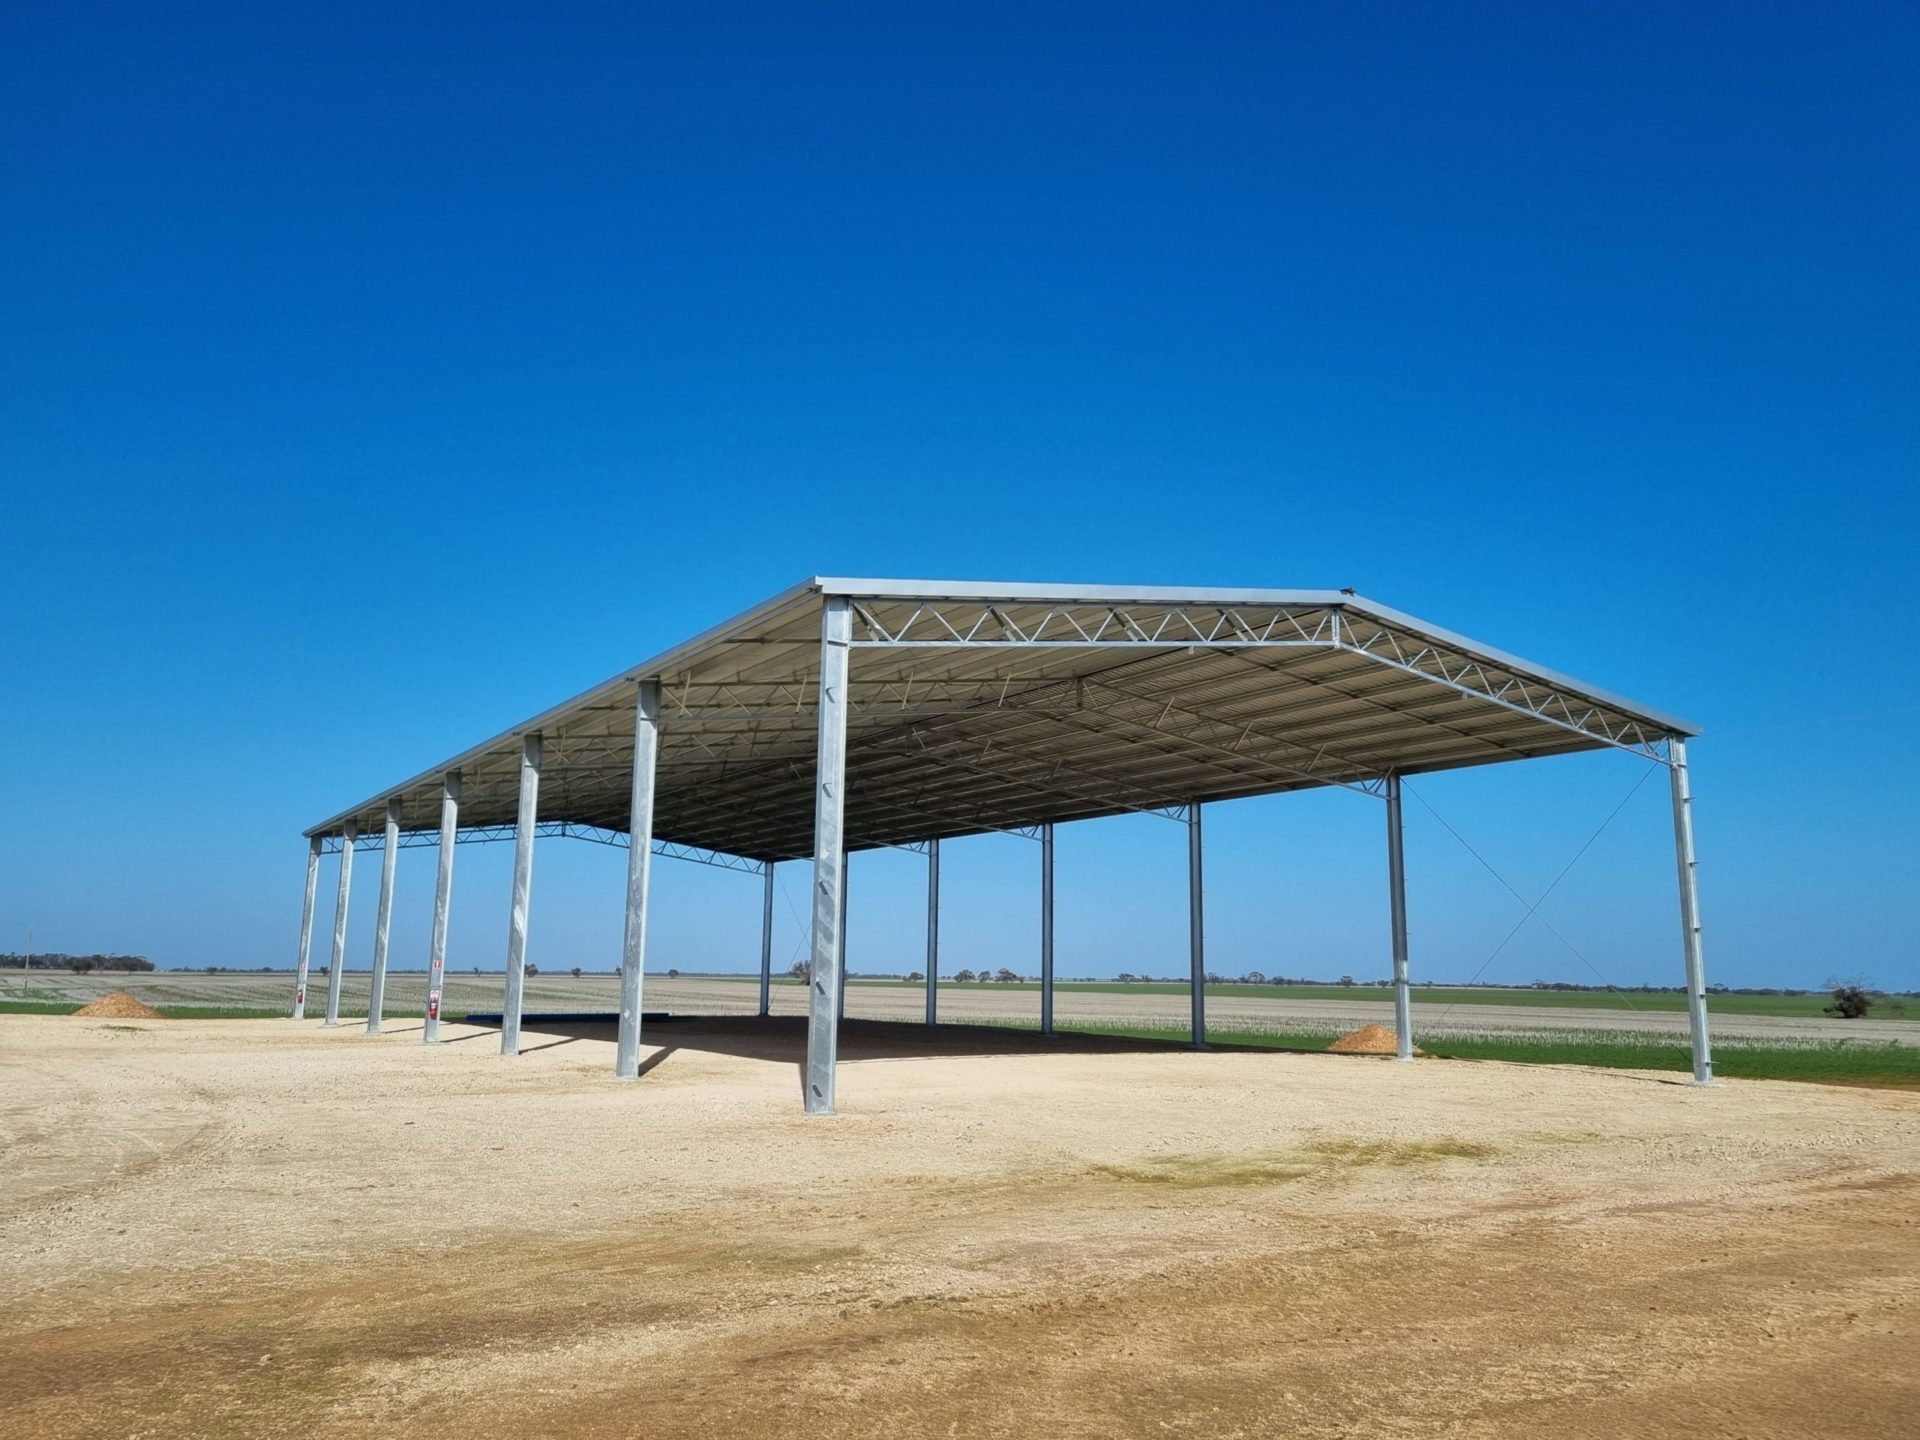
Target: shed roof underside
(979,707)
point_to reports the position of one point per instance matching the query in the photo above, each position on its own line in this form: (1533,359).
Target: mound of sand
(1370,1040)
(118,1005)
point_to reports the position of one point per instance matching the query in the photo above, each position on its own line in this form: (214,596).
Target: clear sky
(373,377)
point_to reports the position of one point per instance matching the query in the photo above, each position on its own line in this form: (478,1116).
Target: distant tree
(576,972)
(82,964)
(800,970)
(1006,976)
(913,975)
(1346,980)
(1253,977)
(963,977)
(533,969)
(1126,977)
(673,974)
(1215,979)
(1850,1002)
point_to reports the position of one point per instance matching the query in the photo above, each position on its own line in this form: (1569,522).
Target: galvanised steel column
(383,919)
(829,858)
(522,894)
(1690,910)
(306,930)
(348,835)
(766,946)
(633,949)
(1196,927)
(1397,903)
(442,903)
(933,932)
(1046,928)
(846,872)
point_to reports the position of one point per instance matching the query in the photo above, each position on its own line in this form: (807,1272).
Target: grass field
(1826,1062)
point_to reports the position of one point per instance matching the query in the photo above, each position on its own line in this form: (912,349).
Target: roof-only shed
(844,714)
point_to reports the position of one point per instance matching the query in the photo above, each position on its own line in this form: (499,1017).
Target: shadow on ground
(782,1039)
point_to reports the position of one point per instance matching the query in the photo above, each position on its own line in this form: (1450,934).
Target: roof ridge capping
(1053,592)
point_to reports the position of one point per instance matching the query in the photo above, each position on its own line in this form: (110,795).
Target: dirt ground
(257,1228)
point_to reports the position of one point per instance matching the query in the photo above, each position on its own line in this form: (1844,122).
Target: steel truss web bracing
(853,714)
(550,830)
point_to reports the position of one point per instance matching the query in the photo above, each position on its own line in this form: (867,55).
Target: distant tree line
(1002,976)
(78,964)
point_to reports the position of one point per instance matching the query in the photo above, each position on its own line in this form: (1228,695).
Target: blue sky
(372,378)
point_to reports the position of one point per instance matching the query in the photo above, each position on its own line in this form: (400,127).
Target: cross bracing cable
(1532,911)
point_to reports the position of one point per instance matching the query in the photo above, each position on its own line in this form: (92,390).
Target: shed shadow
(782,1039)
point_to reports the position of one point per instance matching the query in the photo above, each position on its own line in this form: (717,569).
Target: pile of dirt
(1370,1040)
(118,1005)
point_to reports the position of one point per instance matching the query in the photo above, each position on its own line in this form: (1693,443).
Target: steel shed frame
(848,714)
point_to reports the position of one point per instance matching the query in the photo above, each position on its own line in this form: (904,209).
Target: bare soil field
(220,1228)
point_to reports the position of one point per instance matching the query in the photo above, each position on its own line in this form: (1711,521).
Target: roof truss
(976,708)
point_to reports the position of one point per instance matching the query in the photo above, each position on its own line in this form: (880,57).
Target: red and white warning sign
(433,1005)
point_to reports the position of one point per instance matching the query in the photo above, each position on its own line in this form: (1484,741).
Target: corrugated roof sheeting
(977,707)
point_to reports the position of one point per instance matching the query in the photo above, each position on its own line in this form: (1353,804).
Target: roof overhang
(976,707)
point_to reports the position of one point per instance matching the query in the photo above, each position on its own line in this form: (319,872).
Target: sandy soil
(257,1228)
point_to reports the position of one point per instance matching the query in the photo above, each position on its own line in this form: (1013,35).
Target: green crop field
(1834,1062)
